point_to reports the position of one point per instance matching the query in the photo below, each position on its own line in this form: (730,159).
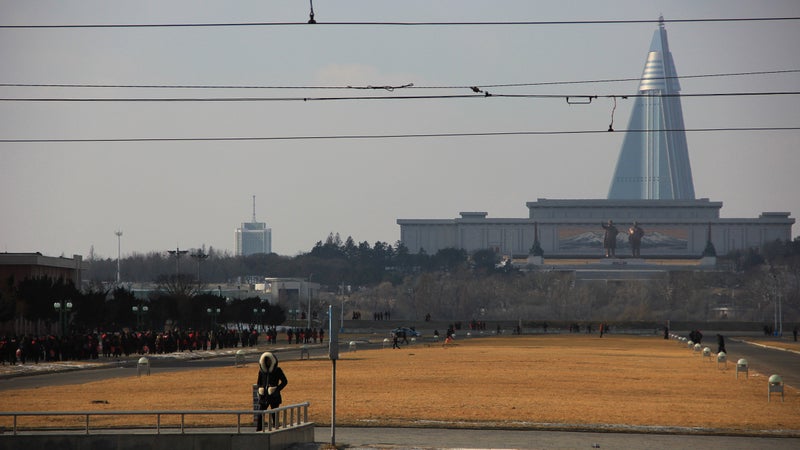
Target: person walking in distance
(271,381)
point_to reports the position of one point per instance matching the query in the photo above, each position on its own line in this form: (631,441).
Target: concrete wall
(274,440)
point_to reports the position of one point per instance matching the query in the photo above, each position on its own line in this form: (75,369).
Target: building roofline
(76,262)
(624,203)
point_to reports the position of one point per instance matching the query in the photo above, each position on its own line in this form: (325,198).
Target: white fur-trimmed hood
(267,362)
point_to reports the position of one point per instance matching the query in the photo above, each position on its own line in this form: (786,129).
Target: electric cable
(401,23)
(386,87)
(582,98)
(396,136)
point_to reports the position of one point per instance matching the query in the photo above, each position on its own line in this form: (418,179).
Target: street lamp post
(214,313)
(259,314)
(777,328)
(63,309)
(140,311)
(341,325)
(119,252)
(413,296)
(774,309)
(309,290)
(343,290)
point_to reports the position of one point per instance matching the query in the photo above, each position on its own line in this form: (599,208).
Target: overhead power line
(615,80)
(397,136)
(400,23)
(384,87)
(583,98)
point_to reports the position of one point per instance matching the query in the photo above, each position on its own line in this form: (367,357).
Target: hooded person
(271,381)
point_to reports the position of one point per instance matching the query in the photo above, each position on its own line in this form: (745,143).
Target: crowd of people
(377,315)
(304,335)
(24,349)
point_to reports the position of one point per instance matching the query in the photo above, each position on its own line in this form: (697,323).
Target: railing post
(183,417)
(87,423)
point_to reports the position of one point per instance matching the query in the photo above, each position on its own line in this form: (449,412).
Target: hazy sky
(67,197)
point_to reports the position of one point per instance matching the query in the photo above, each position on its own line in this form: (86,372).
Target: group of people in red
(305,335)
(89,345)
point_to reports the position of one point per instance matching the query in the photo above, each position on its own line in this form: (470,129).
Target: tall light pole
(778,319)
(119,251)
(777,328)
(177,253)
(775,305)
(343,290)
(308,294)
(200,256)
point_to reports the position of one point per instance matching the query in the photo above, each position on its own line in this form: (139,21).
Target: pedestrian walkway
(9,370)
(438,438)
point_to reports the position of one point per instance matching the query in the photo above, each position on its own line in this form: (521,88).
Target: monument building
(652,185)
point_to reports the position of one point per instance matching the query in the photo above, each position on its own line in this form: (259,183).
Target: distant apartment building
(253,237)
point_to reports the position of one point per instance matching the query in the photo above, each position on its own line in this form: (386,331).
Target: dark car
(408,331)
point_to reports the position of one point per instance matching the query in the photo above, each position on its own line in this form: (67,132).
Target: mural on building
(656,240)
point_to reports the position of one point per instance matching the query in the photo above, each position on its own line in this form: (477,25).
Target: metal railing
(278,418)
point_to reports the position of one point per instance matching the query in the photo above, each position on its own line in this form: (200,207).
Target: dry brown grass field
(555,382)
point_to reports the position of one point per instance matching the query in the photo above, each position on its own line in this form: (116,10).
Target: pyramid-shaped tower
(653,163)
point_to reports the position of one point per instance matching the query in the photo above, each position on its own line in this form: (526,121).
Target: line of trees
(331,262)
(449,285)
(32,300)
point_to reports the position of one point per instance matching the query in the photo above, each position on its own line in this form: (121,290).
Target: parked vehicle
(409,332)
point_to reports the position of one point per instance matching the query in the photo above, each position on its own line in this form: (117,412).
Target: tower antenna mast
(254,208)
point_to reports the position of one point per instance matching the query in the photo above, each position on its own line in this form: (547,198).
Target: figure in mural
(610,239)
(635,235)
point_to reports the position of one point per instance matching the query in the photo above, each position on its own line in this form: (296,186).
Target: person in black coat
(720,344)
(271,381)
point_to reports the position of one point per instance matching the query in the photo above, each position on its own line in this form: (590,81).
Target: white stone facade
(567,228)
